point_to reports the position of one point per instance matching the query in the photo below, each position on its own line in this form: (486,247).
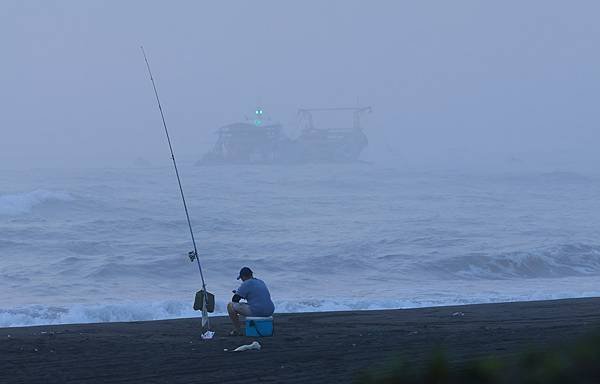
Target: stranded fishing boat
(260,142)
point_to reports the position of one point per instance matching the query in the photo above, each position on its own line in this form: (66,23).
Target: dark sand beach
(309,347)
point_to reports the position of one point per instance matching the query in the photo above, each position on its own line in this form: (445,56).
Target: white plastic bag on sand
(207,335)
(255,345)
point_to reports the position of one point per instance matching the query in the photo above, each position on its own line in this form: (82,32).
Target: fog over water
(480,182)
(462,82)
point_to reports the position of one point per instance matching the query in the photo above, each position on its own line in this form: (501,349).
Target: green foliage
(578,362)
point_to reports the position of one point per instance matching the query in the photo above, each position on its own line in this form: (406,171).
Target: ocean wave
(163,310)
(20,203)
(169,267)
(555,261)
(79,313)
(173,309)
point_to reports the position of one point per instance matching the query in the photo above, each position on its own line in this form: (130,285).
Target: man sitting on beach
(257,296)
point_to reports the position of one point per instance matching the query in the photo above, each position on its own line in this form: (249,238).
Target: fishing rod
(193,255)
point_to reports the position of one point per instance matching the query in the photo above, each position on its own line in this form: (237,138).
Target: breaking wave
(20,203)
(136,311)
(172,309)
(43,315)
(324,238)
(557,261)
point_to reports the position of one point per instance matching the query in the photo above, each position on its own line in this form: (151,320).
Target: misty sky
(464,82)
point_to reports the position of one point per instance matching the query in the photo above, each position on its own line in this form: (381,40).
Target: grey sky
(463,81)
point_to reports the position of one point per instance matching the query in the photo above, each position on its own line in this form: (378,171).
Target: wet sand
(307,348)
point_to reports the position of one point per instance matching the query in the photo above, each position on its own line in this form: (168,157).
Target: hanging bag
(199,301)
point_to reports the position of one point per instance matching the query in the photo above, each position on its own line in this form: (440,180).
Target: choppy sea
(101,245)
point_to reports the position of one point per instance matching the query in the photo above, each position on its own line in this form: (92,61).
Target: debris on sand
(248,347)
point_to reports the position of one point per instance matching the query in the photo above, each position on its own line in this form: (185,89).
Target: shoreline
(96,316)
(306,347)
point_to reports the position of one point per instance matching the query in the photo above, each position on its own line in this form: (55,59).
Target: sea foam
(177,309)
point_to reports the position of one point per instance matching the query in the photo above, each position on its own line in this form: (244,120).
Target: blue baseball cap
(245,272)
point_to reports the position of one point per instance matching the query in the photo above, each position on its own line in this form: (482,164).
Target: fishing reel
(192,255)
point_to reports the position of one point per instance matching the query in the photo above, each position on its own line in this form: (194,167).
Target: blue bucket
(259,326)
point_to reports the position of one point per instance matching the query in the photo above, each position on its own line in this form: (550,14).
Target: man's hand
(236,298)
